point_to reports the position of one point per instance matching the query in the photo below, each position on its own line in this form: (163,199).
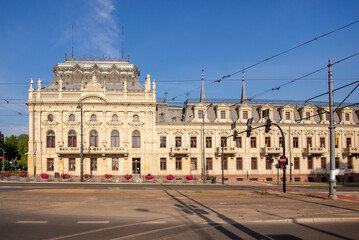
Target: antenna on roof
(72,56)
(123,45)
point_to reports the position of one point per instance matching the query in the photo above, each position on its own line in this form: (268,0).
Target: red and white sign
(283,160)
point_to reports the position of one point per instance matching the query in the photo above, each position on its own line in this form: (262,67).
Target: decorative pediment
(92,99)
(295,133)
(193,132)
(178,132)
(162,132)
(114,123)
(93,123)
(94,84)
(309,133)
(71,123)
(322,133)
(50,123)
(209,132)
(224,132)
(349,134)
(136,123)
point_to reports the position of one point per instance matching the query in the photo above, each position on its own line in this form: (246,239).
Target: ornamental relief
(136,124)
(178,132)
(295,133)
(322,133)
(209,132)
(114,123)
(193,132)
(93,123)
(162,132)
(223,132)
(309,132)
(71,123)
(50,123)
(349,134)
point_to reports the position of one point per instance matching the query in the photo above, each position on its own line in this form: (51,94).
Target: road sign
(1,157)
(283,160)
(11,162)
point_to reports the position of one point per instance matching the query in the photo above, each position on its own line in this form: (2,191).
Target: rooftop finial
(202,97)
(165,101)
(243,97)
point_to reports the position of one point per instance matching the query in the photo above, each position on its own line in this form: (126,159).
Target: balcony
(116,150)
(68,150)
(92,150)
(226,151)
(272,150)
(314,151)
(351,151)
(179,151)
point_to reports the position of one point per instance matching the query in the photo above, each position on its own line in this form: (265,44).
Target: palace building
(127,131)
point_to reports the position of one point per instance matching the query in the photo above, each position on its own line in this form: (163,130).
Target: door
(136,166)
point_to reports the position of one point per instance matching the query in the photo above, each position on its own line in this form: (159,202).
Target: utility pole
(290,157)
(332,181)
(82,144)
(3,159)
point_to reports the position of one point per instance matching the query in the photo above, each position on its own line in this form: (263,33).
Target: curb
(306,220)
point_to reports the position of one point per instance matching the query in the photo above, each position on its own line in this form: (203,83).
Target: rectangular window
(50,141)
(223,114)
(163,163)
(349,162)
(253,163)
(239,163)
(200,114)
(322,142)
(349,142)
(267,141)
(307,115)
(287,115)
(225,163)
(193,142)
(347,117)
(322,162)
(295,142)
(193,163)
(309,142)
(178,142)
(336,162)
(115,164)
(93,164)
(238,142)
(296,163)
(72,164)
(310,163)
(280,141)
(162,142)
(268,163)
(253,142)
(72,141)
(208,142)
(136,142)
(245,114)
(209,165)
(178,163)
(327,116)
(50,164)
(223,142)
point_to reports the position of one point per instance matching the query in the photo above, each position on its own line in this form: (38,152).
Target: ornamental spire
(202,97)
(243,96)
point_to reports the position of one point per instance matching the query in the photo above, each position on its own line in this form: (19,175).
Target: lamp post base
(332,190)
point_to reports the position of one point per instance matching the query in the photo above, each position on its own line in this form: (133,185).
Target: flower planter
(149,178)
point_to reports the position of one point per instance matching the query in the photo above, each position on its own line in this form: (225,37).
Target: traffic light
(235,134)
(268,125)
(271,158)
(249,127)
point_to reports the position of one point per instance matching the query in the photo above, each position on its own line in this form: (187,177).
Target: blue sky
(173,40)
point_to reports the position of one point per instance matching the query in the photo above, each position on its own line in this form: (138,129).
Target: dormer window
(200,114)
(265,113)
(287,115)
(93,118)
(223,114)
(327,116)
(347,116)
(307,115)
(245,114)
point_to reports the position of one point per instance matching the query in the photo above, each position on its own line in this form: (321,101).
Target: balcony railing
(94,150)
(179,151)
(351,150)
(314,150)
(272,150)
(226,151)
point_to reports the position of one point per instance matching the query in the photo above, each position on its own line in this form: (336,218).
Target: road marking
(96,222)
(30,222)
(155,222)
(263,183)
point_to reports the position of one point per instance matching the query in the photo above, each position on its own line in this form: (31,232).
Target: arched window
(114,118)
(50,137)
(72,139)
(136,139)
(115,138)
(72,118)
(93,118)
(93,138)
(136,118)
(50,117)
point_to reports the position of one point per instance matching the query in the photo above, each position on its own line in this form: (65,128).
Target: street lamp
(203,146)
(3,158)
(79,105)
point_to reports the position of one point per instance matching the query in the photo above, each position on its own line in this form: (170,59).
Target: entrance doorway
(136,166)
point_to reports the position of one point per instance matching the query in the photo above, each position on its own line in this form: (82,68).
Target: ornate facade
(126,131)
